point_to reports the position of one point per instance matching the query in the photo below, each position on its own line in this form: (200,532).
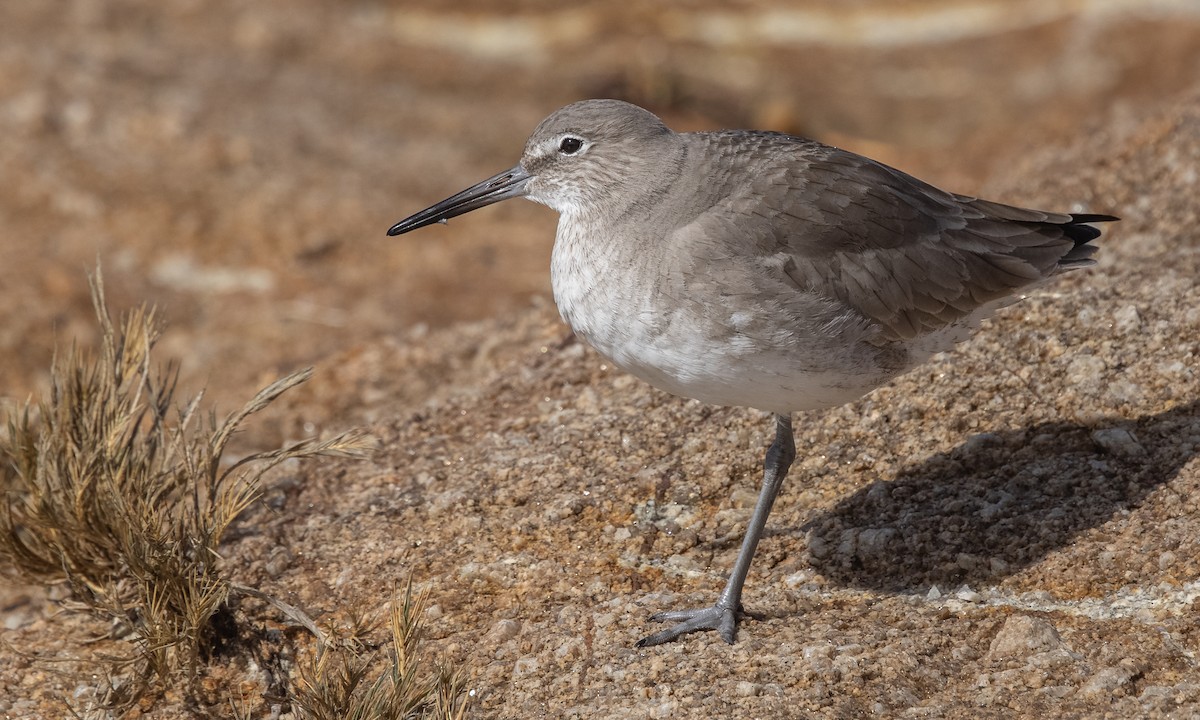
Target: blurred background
(238,162)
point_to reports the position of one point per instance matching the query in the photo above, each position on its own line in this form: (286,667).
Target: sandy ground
(1009,531)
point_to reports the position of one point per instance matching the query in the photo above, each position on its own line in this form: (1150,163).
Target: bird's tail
(1080,231)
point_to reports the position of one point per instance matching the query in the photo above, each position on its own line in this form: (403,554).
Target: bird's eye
(570,145)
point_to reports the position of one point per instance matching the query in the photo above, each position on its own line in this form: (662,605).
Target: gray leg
(722,616)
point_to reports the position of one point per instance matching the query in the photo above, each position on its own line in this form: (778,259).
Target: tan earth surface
(1010,531)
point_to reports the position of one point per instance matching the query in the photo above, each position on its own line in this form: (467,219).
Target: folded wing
(905,254)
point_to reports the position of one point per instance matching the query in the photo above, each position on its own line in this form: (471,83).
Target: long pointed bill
(508,184)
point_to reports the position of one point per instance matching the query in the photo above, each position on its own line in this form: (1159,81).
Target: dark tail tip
(1080,232)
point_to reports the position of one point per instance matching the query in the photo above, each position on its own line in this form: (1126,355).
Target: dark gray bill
(508,184)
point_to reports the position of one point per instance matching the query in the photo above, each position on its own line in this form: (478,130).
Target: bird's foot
(719,617)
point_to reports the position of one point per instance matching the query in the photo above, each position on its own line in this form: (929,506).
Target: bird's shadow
(998,502)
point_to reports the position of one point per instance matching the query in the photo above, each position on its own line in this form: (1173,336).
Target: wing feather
(903,253)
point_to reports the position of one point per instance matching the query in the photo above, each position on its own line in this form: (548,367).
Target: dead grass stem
(343,681)
(112,488)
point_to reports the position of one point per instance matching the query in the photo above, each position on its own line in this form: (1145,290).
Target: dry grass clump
(337,683)
(113,489)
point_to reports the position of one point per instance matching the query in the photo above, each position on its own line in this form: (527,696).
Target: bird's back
(906,255)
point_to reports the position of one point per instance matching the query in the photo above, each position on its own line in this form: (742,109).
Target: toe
(721,619)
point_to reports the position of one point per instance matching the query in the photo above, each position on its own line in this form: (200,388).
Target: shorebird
(762,270)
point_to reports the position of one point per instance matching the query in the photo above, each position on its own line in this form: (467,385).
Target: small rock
(1102,684)
(743,498)
(821,650)
(848,544)
(875,541)
(684,564)
(818,547)
(1156,692)
(527,665)
(1127,320)
(966,594)
(571,649)
(278,562)
(450,500)
(1125,392)
(503,630)
(1172,368)
(878,493)
(1085,370)
(604,619)
(1118,441)
(1022,636)
(979,442)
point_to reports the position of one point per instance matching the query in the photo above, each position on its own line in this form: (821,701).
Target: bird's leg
(722,616)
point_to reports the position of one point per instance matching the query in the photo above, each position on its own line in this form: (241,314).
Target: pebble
(527,665)
(1127,320)
(1022,636)
(1105,681)
(875,541)
(743,498)
(978,442)
(503,630)
(1118,441)
(1085,371)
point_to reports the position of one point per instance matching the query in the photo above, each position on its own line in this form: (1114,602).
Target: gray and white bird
(762,270)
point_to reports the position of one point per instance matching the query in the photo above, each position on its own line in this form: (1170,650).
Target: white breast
(645,320)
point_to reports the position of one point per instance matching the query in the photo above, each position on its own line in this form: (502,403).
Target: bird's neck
(636,192)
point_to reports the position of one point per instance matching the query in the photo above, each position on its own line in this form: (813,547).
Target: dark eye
(570,145)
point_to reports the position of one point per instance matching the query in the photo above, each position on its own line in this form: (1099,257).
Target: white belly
(689,341)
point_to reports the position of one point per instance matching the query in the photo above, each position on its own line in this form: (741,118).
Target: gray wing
(905,254)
